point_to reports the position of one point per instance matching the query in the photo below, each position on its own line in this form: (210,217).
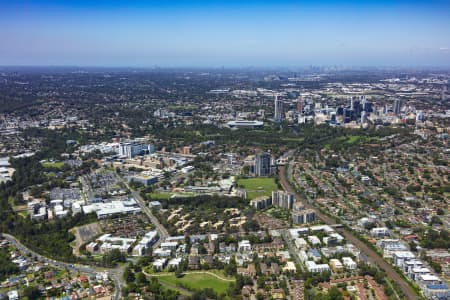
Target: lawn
(55,165)
(166,196)
(257,187)
(278,213)
(357,139)
(194,281)
(159,195)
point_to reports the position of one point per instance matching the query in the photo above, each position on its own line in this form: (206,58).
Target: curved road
(372,256)
(116,273)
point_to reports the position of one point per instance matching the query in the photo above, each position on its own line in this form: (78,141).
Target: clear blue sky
(225,33)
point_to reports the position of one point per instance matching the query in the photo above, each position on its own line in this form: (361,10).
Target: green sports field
(195,281)
(257,187)
(55,165)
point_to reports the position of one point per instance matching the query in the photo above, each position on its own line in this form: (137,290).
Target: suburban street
(372,256)
(116,274)
(162,231)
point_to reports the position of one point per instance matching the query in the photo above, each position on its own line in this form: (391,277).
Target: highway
(371,255)
(116,274)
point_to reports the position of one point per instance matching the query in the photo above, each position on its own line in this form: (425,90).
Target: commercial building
(245,124)
(130,150)
(109,242)
(143,179)
(104,210)
(397,106)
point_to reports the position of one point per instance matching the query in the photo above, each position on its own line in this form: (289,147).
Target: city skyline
(225,33)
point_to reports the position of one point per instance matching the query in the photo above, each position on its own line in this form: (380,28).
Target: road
(372,256)
(162,231)
(291,248)
(116,274)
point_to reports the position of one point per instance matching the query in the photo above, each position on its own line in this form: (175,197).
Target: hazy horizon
(230,34)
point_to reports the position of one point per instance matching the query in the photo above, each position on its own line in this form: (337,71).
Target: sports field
(55,165)
(197,281)
(257,187)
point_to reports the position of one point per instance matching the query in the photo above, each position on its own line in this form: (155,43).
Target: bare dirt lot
(84,234)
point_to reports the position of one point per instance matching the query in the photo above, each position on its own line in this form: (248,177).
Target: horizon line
(231,67)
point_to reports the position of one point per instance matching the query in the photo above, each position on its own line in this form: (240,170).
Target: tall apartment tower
(279,110)
(300,105)
(263,164)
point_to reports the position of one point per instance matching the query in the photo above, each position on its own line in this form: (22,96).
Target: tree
(32,292)
(141,279)
(178,273)
(333,294)
(128,275)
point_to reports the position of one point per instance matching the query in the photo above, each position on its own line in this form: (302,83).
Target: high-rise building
(302,215)
(348,115)
(357,108)
(397,106)
(363,117)
(263,164)
(367,106)
(282,199)
(300,105)
(279,110)
(333,117)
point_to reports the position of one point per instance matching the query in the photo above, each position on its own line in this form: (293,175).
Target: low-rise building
(244,246)
(312,267)
(349,263)
(159,264)
(379,232)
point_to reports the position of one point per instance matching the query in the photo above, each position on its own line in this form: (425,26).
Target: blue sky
(225,33)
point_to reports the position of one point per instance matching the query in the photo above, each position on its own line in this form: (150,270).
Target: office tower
(333,117)
(279,111)
(397,106)
(348,115)
(363,117)
(356,108)
(263,164)
(366,106)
